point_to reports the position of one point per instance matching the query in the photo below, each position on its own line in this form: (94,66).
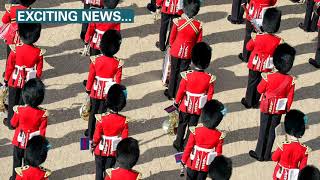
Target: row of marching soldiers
(107,129)
(270,87)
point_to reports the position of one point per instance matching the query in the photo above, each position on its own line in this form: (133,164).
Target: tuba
(170,125)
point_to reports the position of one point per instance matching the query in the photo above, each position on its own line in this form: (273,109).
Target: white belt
(99,31)
(104,79)
(110,137)
(23,67)
(197,148)
(194,94)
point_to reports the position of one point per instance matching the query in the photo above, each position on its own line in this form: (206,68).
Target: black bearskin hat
(271,20)
(33,92)
(29,32)
(116,99)
(283,58)
(152,7)
(211,114)
(201,55)
(36,151)
(128,153)
(26,3)
(191,7)
(309,173)
(110,4)
(220,168)
(294,123)
(110,42)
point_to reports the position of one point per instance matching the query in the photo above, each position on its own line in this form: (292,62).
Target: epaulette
(93,58)
(42,51)
(109,172)
(19,44)
(222,136)
(98,117)
(213,78)
(13,47)
(121,62)
(175,21)
(201,24)
(192,129)
(7,7)
(308,149)
(184,74)
(46,114)
(48,172)
(281,41)
(15,109)
(253,36)
(139,177)
(293,80)
(19,170)
(265,76)
(199,125)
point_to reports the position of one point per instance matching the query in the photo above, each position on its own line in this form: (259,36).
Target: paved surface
(64,71)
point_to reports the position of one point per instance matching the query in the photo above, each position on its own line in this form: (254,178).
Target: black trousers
(252,94)
(311,18)
(237,11)
(317,58)
(8,51)
(18,155)
(84,26)
(248,30)
(98,106)
(94,52)
(196,175)
(177,66)
(103,163)
(166,19)
(267,134)
(14,99)
(185,120)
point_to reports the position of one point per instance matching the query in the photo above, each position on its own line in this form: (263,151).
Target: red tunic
(122,174)
(110,129)
(262,47)
(9,19)
(201,142)
(170,6)
(290,155)
(274,87)
(194,86)
(255,8)
(104,71)
(32,173)
(24,62)
(28,122)
(185,33)
(95,32)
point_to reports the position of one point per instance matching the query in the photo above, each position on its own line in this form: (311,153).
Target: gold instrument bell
(85,109)
(170,125)
(3,98)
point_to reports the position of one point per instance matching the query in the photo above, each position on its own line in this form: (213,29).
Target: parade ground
(65,69)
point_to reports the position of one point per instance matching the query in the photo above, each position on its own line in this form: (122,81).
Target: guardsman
(88,4)
(311,17)
(105,70)
(254,12)
(9,18)
(25,62)
(205,141)
(316,61)
(309,173)
(196,88)
(29,120)
(36,154)
(261,46)
(96,30)
(170,9)
(111,128)
(277,91)
(220,168)
(128,153)
(185,33)
(291,156)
